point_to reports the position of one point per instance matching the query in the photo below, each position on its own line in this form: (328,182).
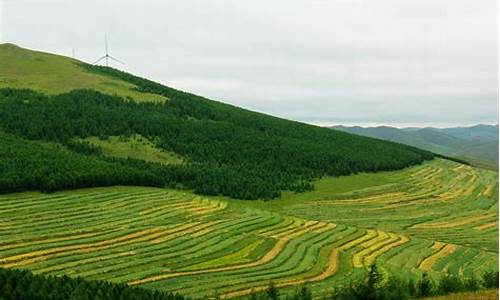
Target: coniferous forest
(228,151)
(24,285)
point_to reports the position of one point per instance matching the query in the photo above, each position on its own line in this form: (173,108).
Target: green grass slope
(226,150)
(135,147)
(54,74)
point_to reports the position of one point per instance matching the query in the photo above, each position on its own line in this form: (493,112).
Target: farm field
(437,217)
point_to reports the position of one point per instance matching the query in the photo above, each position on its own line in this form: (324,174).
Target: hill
(221,149)
(477,144)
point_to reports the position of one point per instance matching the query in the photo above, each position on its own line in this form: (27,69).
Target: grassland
(135,146)
(53,74)
(437,217)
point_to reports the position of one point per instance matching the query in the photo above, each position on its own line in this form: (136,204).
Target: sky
(325,62)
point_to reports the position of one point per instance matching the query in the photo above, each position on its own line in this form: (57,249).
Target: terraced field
(440,216)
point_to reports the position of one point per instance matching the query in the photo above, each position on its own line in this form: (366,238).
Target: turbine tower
(106,57)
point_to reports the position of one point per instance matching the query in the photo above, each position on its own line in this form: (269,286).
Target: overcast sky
(393,62)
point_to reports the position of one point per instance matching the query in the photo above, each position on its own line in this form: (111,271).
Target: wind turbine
(107,56)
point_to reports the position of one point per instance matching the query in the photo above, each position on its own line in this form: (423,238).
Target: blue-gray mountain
(476,144)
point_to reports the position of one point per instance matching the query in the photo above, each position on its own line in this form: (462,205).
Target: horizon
(321,63)
(404,126)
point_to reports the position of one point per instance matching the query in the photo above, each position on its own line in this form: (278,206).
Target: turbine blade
(116,60)
(99,60)
(106,43)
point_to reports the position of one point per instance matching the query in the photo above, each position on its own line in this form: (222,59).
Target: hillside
(477,144)
(54,101)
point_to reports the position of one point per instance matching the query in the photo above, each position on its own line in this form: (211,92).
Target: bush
(490,280)
(450,284)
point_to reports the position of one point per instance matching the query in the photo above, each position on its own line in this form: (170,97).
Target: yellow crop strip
(444,250)
(487,191)
(50,240)
(73,264)
(184,229)
(370,199)
(460,222)
(487,226)
(370,259)
(357,259)
(167,206)
(233,258)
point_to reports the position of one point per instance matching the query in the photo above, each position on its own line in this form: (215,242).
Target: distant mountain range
(476,144)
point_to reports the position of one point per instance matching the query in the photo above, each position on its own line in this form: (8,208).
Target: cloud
(338,61)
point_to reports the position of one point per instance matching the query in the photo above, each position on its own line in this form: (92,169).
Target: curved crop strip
(360,200)
(443,250)
(101,236)
(48,241)
(19,215)
(237,257)
(285,223)
(412,256)
(461,222)
(203,208)
(306,225)
(35,200)
(166,206)
(487,226)
(215,255)
(296,223)
(72,264)
(459,262)
(445,264)
(402,245)
(382,237)
(370,259)
(488,190)
(418,172)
